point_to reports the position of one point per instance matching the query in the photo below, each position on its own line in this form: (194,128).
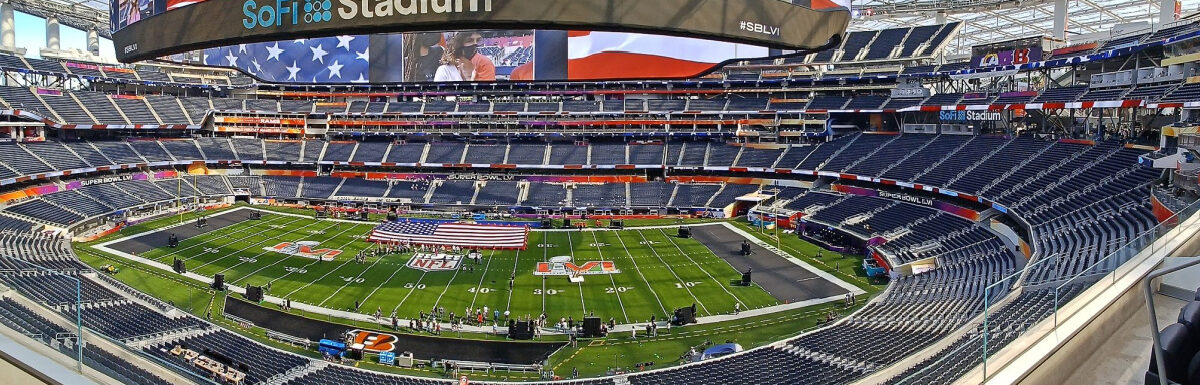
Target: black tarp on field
(422,347)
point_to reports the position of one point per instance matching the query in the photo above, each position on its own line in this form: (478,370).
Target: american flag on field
(337,59)
(464,235)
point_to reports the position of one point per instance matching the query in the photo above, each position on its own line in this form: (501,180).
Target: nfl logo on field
(435,262)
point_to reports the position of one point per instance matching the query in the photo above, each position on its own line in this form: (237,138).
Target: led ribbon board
(211,23)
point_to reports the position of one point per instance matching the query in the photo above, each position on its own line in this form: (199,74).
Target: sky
(31,35)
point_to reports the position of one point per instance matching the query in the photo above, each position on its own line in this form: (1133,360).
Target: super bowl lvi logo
(305,249)
(563,265)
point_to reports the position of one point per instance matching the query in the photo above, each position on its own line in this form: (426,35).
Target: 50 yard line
(516,260)
(582,302)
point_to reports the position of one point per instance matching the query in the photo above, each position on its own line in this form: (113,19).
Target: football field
(655,272)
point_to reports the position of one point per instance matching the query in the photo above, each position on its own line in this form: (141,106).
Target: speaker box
(746,279)
(546,224)
(179,266)
(591,327)
(745,248)
(218,282)
(685,232)
(684,316)
(566,223)
(173,240)
(522,330)
(254,293)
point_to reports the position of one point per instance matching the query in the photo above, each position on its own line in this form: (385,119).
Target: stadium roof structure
(988,21)
(79,14)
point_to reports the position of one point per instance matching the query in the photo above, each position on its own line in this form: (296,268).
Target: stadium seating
(406,152)
(568,154)
(355,187)
(151,150)
(688,195)
(216,148)
(282,151)
(454,192)
(135,110)
(546,195)
(445,152)
(262,362)
(414,191)
(56,155)
(336,152)
(319,187)
(486,153)
(498,193)
(248,149)
(1080,201)
(281,186)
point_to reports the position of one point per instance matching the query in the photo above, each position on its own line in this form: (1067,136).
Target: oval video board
(149,29)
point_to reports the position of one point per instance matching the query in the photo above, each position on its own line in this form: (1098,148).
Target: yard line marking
(264,252)
(285,258)
(389,279)
(348,282)
(545,252)
(339,267)
(681,281)
(516,260)
(484,276)
(581,301)
(689,257)
(197,268)
(452,277)
(410,291)
(639,271)
(177,251)
(596,241)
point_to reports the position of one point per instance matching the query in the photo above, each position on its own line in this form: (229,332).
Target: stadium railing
(1105,272)
(985,337)
(77,316)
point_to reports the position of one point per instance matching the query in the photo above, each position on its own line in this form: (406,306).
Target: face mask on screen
(468,51)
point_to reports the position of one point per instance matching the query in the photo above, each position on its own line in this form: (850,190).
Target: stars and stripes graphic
(463,235)
(337,59)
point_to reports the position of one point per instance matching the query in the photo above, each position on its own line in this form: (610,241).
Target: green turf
(658,273)
(643,284)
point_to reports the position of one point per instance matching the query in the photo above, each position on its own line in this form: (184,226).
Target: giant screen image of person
(463,62)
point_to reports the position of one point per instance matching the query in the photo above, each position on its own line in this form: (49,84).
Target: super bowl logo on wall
(305,249)
(435,262)
(562,265)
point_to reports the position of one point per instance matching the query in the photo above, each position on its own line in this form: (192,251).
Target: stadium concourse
(898,207)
